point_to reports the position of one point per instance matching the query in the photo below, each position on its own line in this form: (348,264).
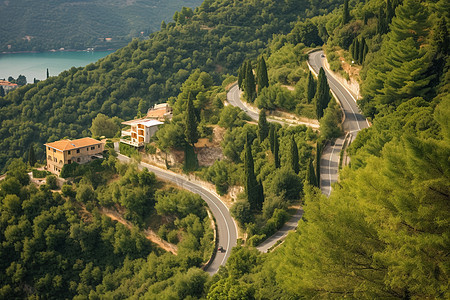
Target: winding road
(354,121)
(226,227)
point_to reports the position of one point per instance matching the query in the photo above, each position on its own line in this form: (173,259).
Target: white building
(140,131)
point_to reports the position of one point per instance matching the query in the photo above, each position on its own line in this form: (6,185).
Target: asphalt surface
(226,227)
(354,121)
(234,98)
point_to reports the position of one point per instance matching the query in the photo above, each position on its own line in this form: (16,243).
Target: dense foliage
(80,24)
(218,37)
(62,246)
(383,232)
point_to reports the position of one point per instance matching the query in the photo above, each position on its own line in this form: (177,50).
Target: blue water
(34,65)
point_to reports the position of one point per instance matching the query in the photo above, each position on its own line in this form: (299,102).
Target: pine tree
(249,84)
(48,74)
(276,150)
(261,74)
(191,130)
(251,185)
(345,13)
(400,71)
(311,87)
(272,136)
(2,92)
(31,156)
(322,97)
(263,126)
(293,157)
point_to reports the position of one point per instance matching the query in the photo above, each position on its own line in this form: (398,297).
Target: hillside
(44,25)
(217,39)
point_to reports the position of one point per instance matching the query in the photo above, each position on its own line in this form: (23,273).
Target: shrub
(40,173)
(51,182)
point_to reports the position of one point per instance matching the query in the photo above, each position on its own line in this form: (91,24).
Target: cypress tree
(322,97)
(260,195)
(241,75)
(31,156)
(311,87)
(365,51)
(249,83)
(293,157)
(48,75)
(2,92)
(276,149)
(311,174)
(191,124)
(261,74)
(318,154)
(251,185)
(381,25)
(345,13)
(263,126)
(272,137)
(389,12)
(361,50)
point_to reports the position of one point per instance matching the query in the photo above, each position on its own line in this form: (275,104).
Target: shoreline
(54,51)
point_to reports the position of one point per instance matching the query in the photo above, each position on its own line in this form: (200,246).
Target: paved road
(226,227)
(354,122)
(234,98)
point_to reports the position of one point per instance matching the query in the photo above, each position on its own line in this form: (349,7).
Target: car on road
(220,249)
(323,55)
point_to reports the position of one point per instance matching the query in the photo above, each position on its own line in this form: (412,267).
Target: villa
(139,132)
(65,152)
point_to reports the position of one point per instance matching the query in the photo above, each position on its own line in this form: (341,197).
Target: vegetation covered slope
(61,245)
(384,231)
(217,38)
(80,24)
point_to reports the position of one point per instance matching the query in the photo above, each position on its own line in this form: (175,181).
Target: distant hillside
(52,24)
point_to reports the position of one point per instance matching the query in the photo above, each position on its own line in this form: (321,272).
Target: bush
(242,212)
(172,237)
(40,173)
(69,170)
(68,191)
(51,182)
(150,149)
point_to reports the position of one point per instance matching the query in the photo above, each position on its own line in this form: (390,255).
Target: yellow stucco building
(64,152)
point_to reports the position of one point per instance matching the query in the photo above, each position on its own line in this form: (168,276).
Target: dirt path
(148,233)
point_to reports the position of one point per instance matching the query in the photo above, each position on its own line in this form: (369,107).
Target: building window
(49,157)
(69,161)
(68,152)
(60,161)
(78,150)
(78,159)
(98,146)
(54,150)
(92,148)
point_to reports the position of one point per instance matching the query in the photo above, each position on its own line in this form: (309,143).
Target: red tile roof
(64,145)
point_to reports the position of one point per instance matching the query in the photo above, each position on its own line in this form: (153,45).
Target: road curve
(234,98)
(354,121)
(226,227)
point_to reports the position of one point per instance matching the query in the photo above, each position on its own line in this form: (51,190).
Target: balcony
(131,143)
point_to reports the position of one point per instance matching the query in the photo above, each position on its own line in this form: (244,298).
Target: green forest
(46,25)
(383,233)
